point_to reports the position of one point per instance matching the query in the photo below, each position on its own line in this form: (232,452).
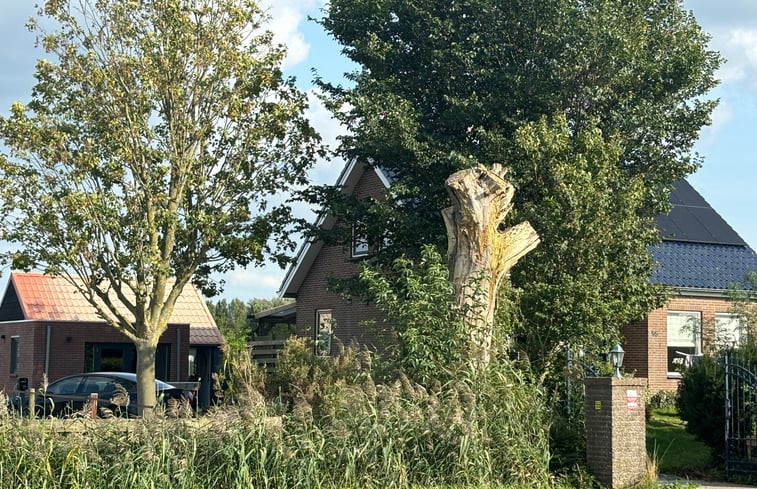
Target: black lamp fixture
(615,357)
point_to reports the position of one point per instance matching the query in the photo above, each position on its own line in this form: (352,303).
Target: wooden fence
(266,353)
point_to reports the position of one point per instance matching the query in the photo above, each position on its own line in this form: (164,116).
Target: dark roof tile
(701,265)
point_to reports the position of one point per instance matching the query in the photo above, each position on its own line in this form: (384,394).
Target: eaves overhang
(699,292)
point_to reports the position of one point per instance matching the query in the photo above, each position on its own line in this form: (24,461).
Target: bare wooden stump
(481,248)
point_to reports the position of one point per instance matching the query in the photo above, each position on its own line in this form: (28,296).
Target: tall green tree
(146,159)
(231,317)
(594,106)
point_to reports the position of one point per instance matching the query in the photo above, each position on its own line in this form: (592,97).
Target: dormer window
(359,243)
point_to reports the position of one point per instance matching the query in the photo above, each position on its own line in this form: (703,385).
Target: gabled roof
(699,250)
(693,220)
(309,250)
(35,296)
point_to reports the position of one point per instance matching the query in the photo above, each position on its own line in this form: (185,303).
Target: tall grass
(349,432)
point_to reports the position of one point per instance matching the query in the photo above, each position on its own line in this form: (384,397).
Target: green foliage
(239,381)
(593,105)
(306,378)
(743,299)
(485,429)
(476,429)
(663,400)
(417,299)
(232,317)
(591,269)
(701,402)
(148,154)
(223,451)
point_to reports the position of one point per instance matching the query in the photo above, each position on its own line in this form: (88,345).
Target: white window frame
(359,247)
(696,332)
(324,331)
(729,330)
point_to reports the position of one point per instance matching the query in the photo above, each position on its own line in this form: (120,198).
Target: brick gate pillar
(615,430)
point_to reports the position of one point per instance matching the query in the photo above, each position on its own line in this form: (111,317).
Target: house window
(729,330)
(192,362)
(15,340)
(359,242)
(122,357)
(324,331)
(684,339)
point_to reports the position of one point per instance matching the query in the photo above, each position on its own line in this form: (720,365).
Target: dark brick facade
(336,262)
(66,353)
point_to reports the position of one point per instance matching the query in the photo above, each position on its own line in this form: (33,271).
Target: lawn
(677,451)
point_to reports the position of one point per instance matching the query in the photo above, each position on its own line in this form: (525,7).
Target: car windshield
(162,385)
(159,384)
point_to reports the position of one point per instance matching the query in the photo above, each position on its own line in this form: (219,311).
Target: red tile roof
(47,298)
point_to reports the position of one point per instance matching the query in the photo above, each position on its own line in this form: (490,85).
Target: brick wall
(615,430)
(646,341)
(636,342)
(67,345)
(336,262)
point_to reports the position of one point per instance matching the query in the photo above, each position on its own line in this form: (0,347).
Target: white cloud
(325,171)
(739,47)
(252,283)
(287,17)
(722,114)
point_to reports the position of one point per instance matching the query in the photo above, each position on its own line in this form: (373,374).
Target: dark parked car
(69,394)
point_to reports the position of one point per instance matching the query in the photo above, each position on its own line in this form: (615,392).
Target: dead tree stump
(481,248)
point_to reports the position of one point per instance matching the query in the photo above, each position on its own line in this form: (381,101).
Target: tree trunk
(146,397)
(481,249)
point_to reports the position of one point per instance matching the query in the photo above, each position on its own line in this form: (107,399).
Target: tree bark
(481,249)
(146,396)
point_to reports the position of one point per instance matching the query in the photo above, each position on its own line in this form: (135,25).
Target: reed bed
(336,428)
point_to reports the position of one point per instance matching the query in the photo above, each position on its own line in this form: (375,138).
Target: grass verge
(676,450)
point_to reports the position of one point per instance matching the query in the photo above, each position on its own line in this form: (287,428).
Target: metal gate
(740,415)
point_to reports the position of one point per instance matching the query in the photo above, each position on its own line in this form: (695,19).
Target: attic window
(359,242)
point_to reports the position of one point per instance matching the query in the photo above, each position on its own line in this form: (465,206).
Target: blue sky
(726,180)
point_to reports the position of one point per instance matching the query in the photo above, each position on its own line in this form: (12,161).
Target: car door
(63,396)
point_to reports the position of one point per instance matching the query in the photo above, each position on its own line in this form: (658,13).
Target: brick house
(306,279)
(699,257)
(47,327)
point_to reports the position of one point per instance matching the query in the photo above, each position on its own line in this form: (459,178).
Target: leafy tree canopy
(232,317)
(155,137)
(594,105)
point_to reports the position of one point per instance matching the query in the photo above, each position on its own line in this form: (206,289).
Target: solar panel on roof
(684,194)
(693,220)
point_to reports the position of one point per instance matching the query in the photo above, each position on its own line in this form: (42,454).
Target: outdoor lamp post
(615,356)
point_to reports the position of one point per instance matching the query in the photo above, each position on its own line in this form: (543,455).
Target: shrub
(417,299)
(663,400)
(701,401)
